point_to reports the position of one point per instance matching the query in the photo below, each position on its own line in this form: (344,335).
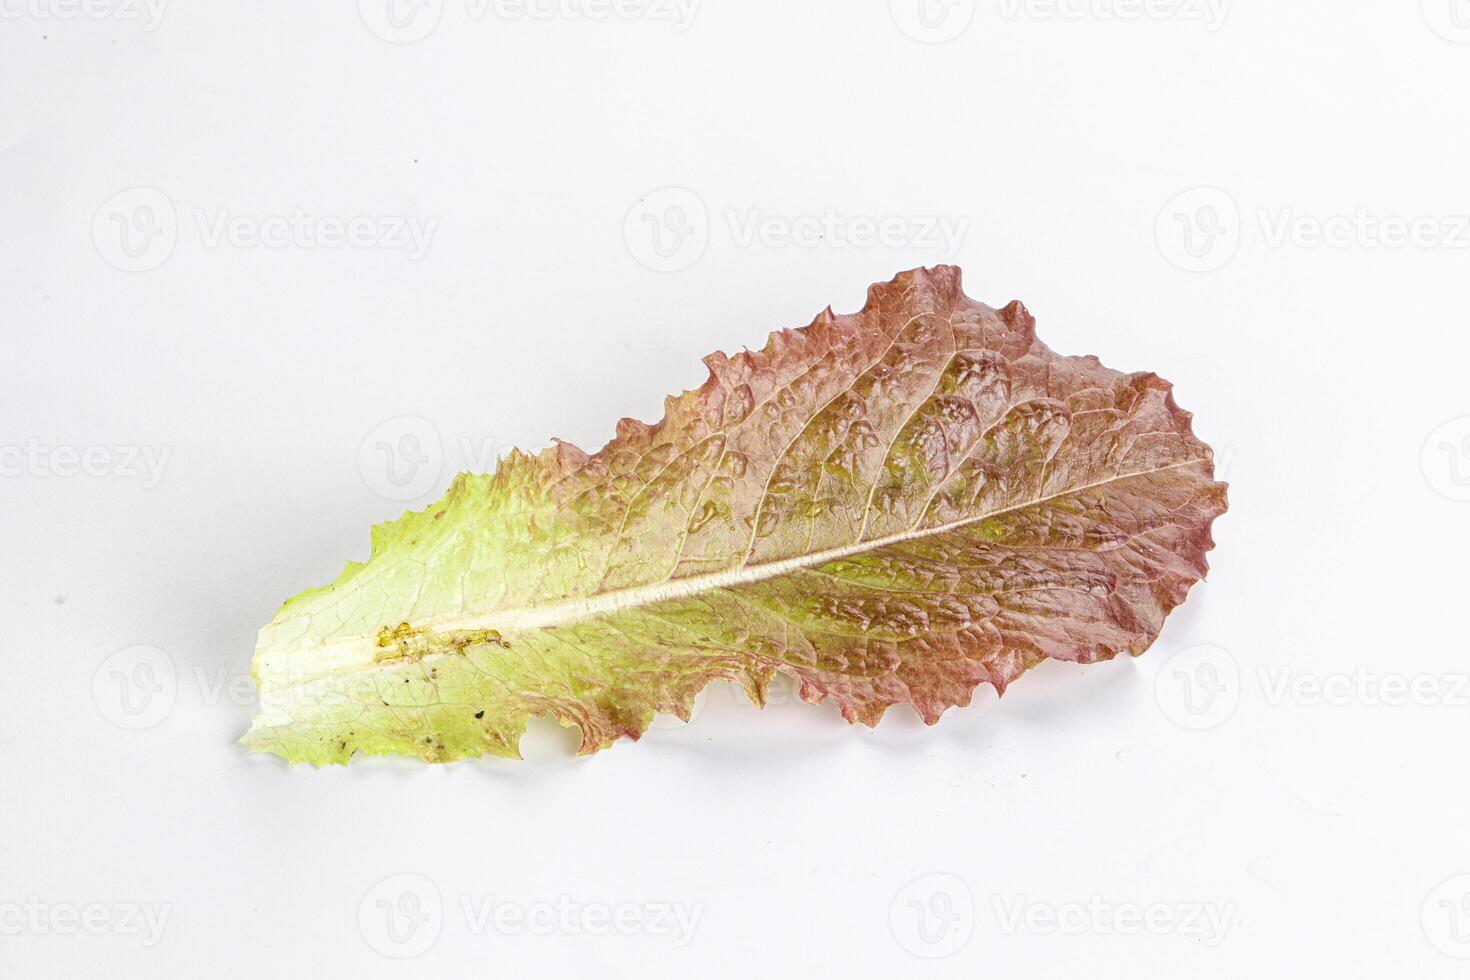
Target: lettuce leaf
(890,507)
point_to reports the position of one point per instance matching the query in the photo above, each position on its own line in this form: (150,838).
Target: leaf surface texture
(891,507)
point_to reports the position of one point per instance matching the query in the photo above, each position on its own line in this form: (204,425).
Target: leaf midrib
(570,611)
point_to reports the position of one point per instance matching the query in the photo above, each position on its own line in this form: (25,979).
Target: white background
(1327,831)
